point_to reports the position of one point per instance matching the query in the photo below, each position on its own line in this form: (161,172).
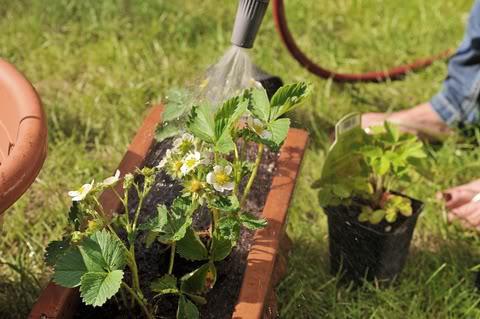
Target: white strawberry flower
(109,181)
(220,178)
(165,159)
(81,193)
(191,160)
(259,127)
(184,144)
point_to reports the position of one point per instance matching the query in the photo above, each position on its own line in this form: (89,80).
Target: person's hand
(463,204)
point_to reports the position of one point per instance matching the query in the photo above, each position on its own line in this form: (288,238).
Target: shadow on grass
(19,287)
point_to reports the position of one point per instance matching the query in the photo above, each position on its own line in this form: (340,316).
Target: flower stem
(253,174)
(172,258)
(139,300)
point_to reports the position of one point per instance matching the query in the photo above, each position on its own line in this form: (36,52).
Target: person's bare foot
(421,120)
(463,203)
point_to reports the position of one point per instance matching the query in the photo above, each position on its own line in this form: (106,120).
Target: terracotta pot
(23,135)
(266,260)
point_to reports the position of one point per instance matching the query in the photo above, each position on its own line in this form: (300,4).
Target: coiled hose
(395,73)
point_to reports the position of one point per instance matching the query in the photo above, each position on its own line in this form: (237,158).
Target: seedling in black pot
(370,225)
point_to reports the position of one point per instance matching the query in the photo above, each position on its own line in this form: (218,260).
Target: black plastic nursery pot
(364,251)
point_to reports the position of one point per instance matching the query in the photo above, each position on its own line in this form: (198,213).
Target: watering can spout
(247,22)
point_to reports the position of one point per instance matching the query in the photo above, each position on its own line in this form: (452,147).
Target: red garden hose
(374,76)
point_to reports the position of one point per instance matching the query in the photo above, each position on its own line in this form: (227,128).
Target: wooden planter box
(266,263)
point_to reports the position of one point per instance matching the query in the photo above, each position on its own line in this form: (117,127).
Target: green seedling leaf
(400,204)
(97,287)
(259,104)
(55,250)
(201,123)
(377,216)
(286,98)
(199,280)
(393,133)
(191,247)
(187,309)
(365,214)
(221,247)
(69,269)
(252,222)
(391,215)
(103,251)
(167,284)
(380,165)
(341,190)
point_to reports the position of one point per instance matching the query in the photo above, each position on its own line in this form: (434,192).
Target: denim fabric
(458,102)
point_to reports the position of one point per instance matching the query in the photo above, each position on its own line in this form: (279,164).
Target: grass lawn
(98,65)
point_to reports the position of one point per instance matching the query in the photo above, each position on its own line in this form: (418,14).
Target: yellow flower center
(195,186)
(185,146)
(221,178)
(258,128)
(191,162)
(177,165)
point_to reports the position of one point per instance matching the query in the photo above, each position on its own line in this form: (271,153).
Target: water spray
(235,71)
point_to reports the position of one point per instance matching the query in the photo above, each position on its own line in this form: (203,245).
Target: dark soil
(153,262)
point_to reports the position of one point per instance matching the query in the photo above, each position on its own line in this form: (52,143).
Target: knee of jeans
(473,116)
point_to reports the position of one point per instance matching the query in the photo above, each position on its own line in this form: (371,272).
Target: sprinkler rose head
(247,22)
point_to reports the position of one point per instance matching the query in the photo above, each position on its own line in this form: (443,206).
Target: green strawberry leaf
(98,287)
(201,123)
(103,250)
(224,143)
(226,203)
(168,129)
(259,104)
(167,284)
(199,300)
(286,98)
(229,228)
(221,247)
(76,215)
(178,104)
(179,218)
(199,280)
(279,129)
(158,222)
(69,269)
(225,119)
(191,247)
(187,309)
(252,222)
(55,250)
(229,114)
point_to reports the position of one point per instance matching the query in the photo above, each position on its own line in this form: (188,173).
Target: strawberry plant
(209,164)
(361,169)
